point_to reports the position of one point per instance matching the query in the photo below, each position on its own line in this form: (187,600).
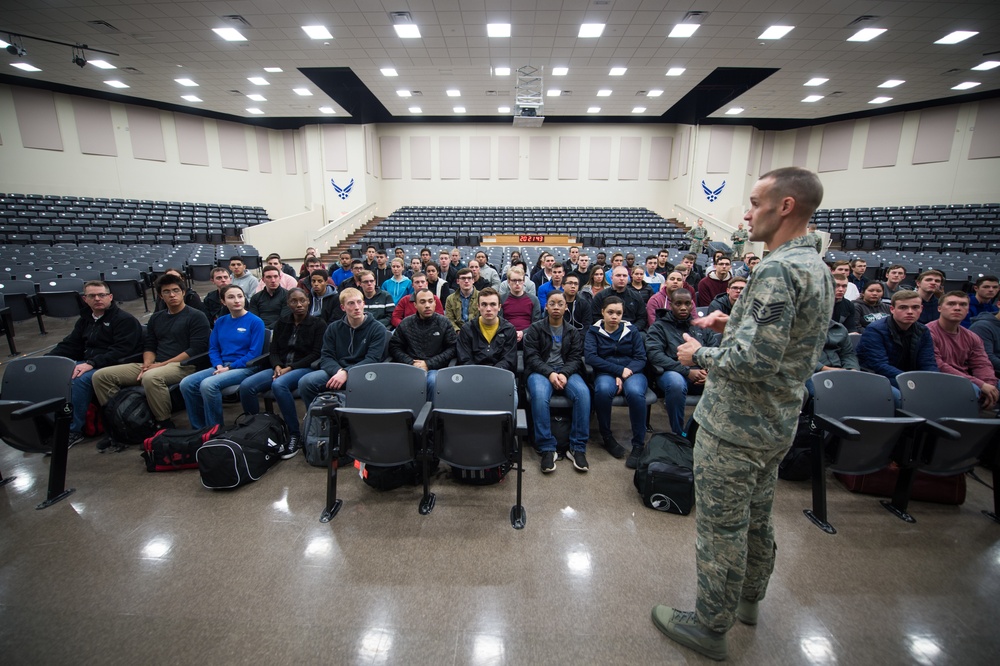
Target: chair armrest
(421,422)
(39,408)
(522,422)
(940,430)
(835,427)
(197,359)
(257,362)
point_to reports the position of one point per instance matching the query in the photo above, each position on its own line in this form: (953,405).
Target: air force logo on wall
(344,192)
(710,194)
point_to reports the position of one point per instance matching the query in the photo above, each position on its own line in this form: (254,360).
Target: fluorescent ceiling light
(594,109)
(317,32)
(683,30)
(735,111)
(25,67)
(273,70)
(119,84)
(866,34)
(459,109)
(257,98)
(986,66)
(229,34)
(454,93)
(965,85)
(892,83)
(101,64)
(560,71)
(503,109)
(501,71)
(591,30)
(187,82)
(302,92)
(553,92)
(255,111)
(880,100)
(776,32)
(675,71)
(956,37)
(817,81)
(812,98)
(654,93)
(498,29)
(190,98)
(604,93)
(258,81)
(416,109)
(618,71)
(407,30)
(403,93)
(327,110)
(639,109)
(389,71)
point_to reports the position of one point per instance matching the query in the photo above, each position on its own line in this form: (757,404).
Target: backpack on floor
(127,418)
(93,424)
(243,453)
(561,423)
(174,449)
(664,476)
(797,463)
(320,431)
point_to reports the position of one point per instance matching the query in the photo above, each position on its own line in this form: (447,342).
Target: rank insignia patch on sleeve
(766,313)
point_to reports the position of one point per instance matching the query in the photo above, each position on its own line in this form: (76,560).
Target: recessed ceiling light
(734,111)
(553,92)
(25,67)
(880,100)
(675,71)
(317,32)
(302,92)
(187,82)
(965,85)
(389,71)
(818,81)
(229,34)
(776,31)
(617,71)
(459,109)
(956,37)
(604,93)
(812,98)
(594,109)
(892,83)
(403,93)
(327,110)
(258,81)
(453,93)
(101,64)
(254,111)
(498,29)
(407,30)
(190,98)
(560,71)
(866,34)
(501,71)
(119,84)
(257,98)
(591,30)
(639,109)
(654,93)
(416,109)
(986,66)
(273,70)
(683,30)
(503,109)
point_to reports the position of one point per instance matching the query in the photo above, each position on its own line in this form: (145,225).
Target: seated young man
(960,352)
(987,327)
(983,298)
(378,302)
(577,308)
(271,302)
(172,335)
(487,339)
(214,307)
(242,278)
(425,339)
(553,361)
(725,301)
(838,353)
(519,307)
(462,305)
(408,306)
(929,289)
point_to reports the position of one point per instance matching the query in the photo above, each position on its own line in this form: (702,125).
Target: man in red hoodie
(715,282)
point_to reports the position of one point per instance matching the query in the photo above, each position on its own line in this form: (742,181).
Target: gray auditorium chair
(61,297)
(127,284)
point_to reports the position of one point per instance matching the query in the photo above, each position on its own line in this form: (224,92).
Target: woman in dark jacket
(295,344)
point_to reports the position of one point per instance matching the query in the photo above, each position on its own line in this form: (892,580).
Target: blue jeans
(432,376)
(576,390)
(312,384)
(202,393)
(281,388)
(634,390)
(676,387)
(83,393)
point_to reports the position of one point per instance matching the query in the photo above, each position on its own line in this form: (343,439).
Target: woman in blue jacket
(614,348)
(237,339)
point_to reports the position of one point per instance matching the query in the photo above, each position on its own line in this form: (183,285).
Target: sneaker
(291,448)
(684,628)
(746,612)
(548,462)
(633,457)
(104,445)
(75,438)
(579,459)
(613,447)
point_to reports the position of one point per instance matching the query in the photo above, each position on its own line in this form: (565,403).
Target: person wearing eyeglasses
(725,301)
(101,337)
(378,302)
(463,304)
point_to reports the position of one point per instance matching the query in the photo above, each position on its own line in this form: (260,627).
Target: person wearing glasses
(463,304)
(378,302)
(101,337)
(725,301)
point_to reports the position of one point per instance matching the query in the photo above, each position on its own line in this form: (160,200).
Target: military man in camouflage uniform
(739,239)
(749,410)
(699,237)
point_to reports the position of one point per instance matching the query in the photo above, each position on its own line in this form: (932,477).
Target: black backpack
(797,463)
(243,453)
(173,449)
(128,419)
(664,476)
(319,431)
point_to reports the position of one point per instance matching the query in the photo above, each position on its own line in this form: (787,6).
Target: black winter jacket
(307,346)
(431,340)
(538,341)
(474,350)
(666,334)
(102,342)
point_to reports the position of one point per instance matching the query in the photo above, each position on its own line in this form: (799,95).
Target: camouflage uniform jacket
(775,333)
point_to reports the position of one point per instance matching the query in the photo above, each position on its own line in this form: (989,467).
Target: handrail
(329,235)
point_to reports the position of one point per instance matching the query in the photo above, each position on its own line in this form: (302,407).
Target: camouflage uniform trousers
(734,491)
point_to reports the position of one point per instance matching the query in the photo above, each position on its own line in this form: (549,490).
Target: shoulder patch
(766,313)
